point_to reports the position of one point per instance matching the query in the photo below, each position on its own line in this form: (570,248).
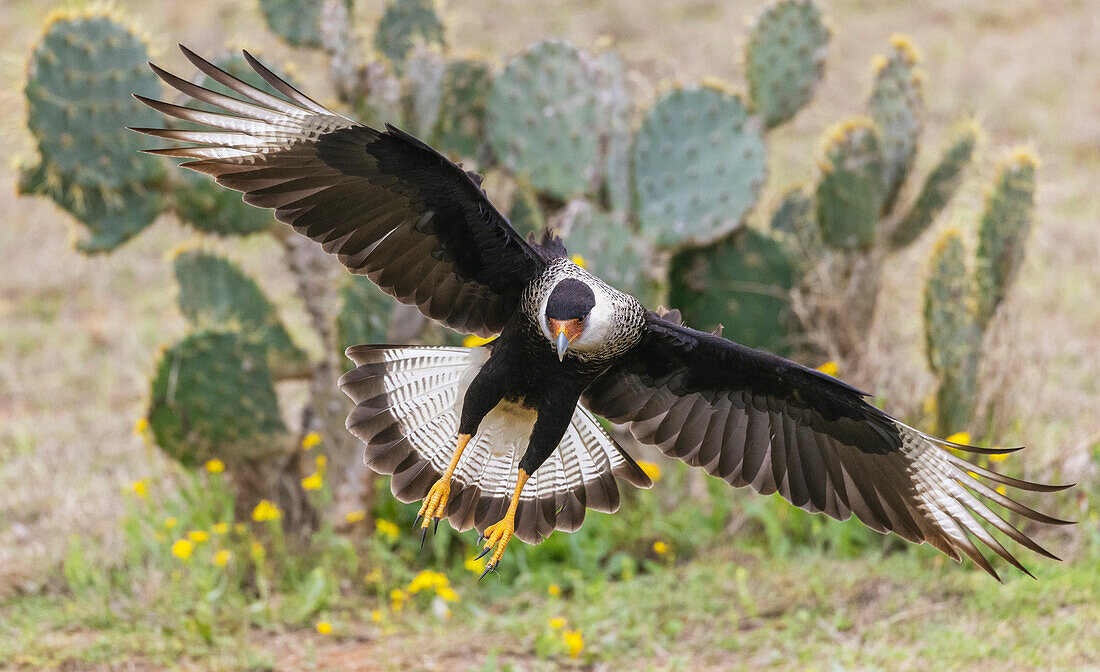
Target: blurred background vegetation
(887,183)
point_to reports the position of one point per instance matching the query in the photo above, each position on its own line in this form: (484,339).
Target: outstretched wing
(755,419)
(388,205)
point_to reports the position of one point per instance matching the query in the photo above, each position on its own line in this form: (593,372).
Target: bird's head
(568,317)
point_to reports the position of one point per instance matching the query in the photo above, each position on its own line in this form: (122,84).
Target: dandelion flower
(140,488)
(355,516)
(215,466)
(387,529)
(170,522)
(182,549)
(198,536)
(312,482)
(554,590)
(447,593)
(427,579)
(222,557)
(660,547)
(310,440)
(265,510)
(651,469)
(324,627)
(575,642)
(829,368)
(557,623)
(220,528)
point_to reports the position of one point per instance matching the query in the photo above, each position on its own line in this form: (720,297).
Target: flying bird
(504,437)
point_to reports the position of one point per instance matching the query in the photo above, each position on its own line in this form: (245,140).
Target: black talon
(436,528)
(488,569)
(417,521)
(423,536)
(484,553)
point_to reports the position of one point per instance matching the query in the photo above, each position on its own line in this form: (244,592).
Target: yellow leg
(500,533)
(435,503)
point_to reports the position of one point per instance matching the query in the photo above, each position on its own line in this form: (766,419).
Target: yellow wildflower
(554,590)
(170,522)
(557,623)
(474,564)
(472,341)
(447,593)
(651,469)
(220,528)
(321,461)
(427,579)
(140,488)
(257,551)
(998,458)
(829,368)
(660,547)
(215,466)
(962,438)
(575,642)
(374,575)
(182,549)
(312,482)
(386,529)
(222,557)
(310,440)
(1001,490)
(240,528)
(324,627)
(141,426)
(265,510)
(579,260)
(355,516)
(376,615)
(198,536)
(397,599)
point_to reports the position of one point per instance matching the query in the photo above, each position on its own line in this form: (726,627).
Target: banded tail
(408,400)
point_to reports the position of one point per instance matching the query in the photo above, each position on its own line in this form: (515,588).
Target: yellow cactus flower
(140,488)
(557,623)
(651,469)
(312,482)
(222,558)
(575,642)
(387,529)
(376,615)
(962,438)
(170,522)
(324,627)
(660,547)
(472,341)
(265,510)
(182,549)
(554,590)
(579,260)
(220,528)
(310,440)
(215,466)
(474,564)
(829,368)
(141,426)
(355,516)
(198,536)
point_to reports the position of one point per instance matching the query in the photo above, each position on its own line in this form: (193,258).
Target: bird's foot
(434,507)
(498,534)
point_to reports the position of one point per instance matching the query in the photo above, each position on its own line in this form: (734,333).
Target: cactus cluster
(959,304)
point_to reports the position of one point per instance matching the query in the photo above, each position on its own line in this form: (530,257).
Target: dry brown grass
(78,335)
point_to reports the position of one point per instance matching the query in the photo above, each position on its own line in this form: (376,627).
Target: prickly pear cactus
(618,108)
(525,214)
(850,191)
(298,22)
(699,162)
(546,120)
(604,244)
(793,221)
(465,96)
(404,25)
(422,100)
(785,58)
(81,75)
(952,336)
(214,292)
(939,187)
(1003,231)
(365,315)
(741,282)
(896,105)
(212,396)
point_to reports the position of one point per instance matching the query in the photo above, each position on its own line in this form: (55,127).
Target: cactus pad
(404,25)
(1003,231)
(741,282)
(212,397)
(793,222)
(545,118)
(785,58)
(214,292)
(298,22)
(424,71)
(699,162)
(365,315)
(938,188)
(465,95)
(525,214)
(618,106)
(850,191)
(952,337)
(896,106)
(608,248)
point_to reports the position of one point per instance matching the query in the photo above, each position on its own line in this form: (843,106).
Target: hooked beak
(563,344)
(566,332)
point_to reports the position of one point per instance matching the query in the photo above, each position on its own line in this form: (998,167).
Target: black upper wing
(388,205)
(755,419)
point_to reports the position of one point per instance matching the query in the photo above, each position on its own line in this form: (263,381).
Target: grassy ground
(78,338)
